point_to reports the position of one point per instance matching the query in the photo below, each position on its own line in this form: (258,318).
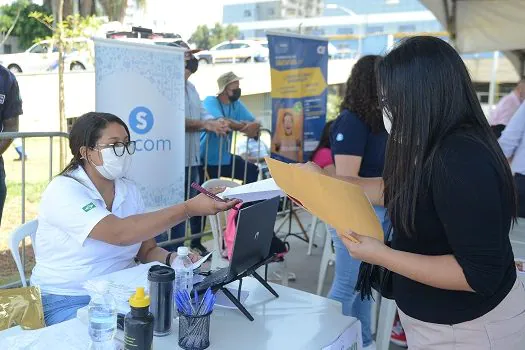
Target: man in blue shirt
(214,149)
(10,109)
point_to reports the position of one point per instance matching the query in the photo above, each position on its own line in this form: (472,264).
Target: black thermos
(138,323)
(161,293)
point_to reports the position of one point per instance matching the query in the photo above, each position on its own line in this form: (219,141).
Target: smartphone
(213,196)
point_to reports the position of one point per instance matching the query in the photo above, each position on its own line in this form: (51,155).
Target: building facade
(353,26)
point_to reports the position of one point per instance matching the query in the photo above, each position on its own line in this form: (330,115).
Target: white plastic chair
(217,223)
(387,314)
(312,233)
(17,236)
(327,257)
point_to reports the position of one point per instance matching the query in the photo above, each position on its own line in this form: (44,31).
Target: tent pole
(492,86)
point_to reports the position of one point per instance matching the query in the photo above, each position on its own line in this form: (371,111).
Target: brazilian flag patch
(88,207)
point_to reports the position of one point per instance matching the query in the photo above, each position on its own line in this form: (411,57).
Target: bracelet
(168,259)
(188,216)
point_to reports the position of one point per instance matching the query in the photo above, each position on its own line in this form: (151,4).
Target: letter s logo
(141,120)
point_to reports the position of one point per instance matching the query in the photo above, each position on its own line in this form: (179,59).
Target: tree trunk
(61,100)
(67,8)
(114,9)
(87,8)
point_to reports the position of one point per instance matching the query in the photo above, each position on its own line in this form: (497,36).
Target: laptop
(254,236)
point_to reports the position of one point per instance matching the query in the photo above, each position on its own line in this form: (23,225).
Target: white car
(234,51)
(43,56)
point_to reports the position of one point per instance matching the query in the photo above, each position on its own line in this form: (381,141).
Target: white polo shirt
(65,256)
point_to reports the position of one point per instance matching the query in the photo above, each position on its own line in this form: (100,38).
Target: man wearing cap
(10,110)
(197,120)
(226,105)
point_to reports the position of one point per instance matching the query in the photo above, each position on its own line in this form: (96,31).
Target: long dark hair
(426,92)
(361,93)
(325,139)
(85,133)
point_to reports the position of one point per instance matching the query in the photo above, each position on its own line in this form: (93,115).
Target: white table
(295,320)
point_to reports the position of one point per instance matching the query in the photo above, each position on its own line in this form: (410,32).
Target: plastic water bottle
(102,317)
(183,270)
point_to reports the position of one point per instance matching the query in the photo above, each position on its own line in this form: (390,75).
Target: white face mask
(387,121)
(113,167)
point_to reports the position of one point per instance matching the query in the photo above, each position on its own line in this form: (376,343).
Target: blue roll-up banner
(299,73)
(144,85)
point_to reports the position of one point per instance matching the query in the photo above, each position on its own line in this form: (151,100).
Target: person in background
(10,110)
(17,143)
(512,142)
(92,219)
(358,139)
(506,108)
(226,105)
(322,155)
(449,192)
(197,120)
(254,150)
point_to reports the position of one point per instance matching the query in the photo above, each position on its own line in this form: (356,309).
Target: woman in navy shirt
(358,140)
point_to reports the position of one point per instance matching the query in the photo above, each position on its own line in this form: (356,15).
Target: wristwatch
(168,259)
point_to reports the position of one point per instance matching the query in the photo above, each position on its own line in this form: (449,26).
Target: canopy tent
(484,25)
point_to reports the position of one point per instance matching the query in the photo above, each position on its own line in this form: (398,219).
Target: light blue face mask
(113,167)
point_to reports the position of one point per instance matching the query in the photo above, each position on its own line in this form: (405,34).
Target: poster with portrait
(299,67)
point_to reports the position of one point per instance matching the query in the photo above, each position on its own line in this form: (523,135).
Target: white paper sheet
(255,191)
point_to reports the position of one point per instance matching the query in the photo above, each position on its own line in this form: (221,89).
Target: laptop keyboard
(215,278)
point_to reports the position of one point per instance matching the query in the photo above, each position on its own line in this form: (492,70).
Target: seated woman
(92,219)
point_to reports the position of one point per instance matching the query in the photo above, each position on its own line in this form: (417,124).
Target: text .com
(141,121)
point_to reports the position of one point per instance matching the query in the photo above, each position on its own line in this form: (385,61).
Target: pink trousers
(503,328)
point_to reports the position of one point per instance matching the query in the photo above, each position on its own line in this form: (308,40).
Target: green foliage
(72,27)
(204,38)
(26,29)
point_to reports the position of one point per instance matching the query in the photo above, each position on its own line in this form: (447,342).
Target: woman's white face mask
(387,121)
(113,167)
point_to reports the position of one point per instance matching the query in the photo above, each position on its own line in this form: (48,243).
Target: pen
(207,193)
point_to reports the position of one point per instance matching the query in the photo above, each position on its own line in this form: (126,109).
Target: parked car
(234,51)
(43,56)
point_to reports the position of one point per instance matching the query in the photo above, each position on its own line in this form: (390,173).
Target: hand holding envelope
(338,203)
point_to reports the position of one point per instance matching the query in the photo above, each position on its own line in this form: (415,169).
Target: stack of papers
(338,203)
(256,191)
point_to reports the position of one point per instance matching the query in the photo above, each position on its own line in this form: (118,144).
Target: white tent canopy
(484,25)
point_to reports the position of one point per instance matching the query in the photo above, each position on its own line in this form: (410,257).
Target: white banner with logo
(143,84)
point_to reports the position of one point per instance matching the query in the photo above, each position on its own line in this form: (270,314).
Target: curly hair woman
(358,141)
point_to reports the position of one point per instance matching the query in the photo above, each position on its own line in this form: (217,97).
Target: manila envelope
(340,204)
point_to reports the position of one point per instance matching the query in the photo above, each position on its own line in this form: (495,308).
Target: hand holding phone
(207,193)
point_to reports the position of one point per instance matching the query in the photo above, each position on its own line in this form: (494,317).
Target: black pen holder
(194,331)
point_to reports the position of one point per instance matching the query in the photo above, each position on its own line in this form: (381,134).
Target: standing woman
(358,140)
(91,220)
(450,194)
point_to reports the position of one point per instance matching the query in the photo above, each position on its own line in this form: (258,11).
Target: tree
(25,29)
(201,37)
(204,38)
(116,9)
(72,27)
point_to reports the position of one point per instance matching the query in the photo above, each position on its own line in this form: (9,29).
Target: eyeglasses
(120,147)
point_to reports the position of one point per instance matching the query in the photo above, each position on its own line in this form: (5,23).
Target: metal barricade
(24,136)
(244,152)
